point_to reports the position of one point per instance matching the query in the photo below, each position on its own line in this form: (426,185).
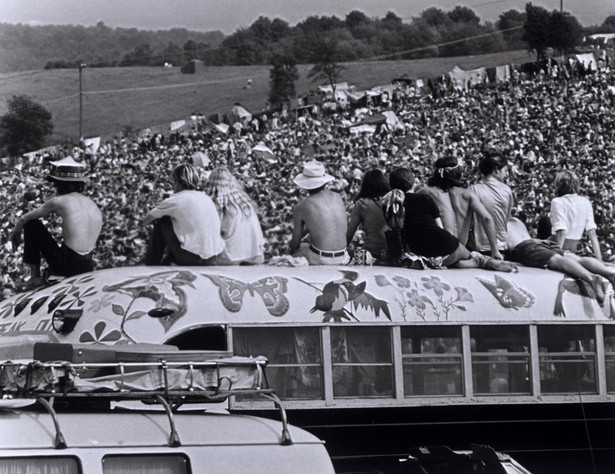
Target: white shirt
(195,222)
(573,214)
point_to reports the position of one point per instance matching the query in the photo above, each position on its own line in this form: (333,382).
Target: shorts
(536,253)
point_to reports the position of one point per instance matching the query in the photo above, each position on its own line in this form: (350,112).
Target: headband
(448,168)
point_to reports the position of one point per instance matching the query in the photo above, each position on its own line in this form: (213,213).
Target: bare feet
(596,284)
(499,265)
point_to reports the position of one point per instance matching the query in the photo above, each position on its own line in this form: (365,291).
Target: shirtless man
(81,224)
(497,197)
(457,205)
(322,214)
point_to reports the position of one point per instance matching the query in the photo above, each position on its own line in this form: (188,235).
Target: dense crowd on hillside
(541,124)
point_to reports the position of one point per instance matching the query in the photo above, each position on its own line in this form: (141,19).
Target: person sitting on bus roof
(240,228)
(186,225)
(322,214)
(81,225)
(425,236)
(497,197)
(367,212)
(458,205)
(547,254)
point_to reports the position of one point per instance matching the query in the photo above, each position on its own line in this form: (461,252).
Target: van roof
(28,429)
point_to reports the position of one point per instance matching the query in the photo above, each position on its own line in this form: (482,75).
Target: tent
(221,127)
(240,114)
(393,121)
(200,159)
(193,67)
(340,86)
(364,128)
(463,79)
(177,125)
(263,151)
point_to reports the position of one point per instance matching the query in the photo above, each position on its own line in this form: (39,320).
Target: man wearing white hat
(322,214)
(81,224)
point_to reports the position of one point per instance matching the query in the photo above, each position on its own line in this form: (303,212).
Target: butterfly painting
(271,290)
(508,294)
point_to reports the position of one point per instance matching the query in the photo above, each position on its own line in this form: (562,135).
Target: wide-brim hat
(313,176)
(67,169)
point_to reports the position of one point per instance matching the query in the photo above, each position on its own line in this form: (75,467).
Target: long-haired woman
(240,227)
(367,212)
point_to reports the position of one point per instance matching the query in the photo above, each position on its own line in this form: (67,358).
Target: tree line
(433,33)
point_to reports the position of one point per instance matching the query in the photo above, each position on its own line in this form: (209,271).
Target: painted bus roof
(115,302)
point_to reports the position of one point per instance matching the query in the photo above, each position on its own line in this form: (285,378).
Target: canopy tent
(240,114)
(263,151)
(221,127)
(463,79)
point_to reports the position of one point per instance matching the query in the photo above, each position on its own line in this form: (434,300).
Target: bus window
(567,359)
(40,465)
(146,464)
(500,359)
(432,360)
(295,364)
(362,361)
(609,352)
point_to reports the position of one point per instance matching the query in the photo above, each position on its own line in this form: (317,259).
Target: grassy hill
(139,97)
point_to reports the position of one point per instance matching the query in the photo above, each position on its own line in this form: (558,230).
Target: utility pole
(81,66)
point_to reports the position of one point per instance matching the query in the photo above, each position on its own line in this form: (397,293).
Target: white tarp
(502,73)
(588,60)
(604,37)
(363,129)
(463,79)
(91,145)
(393,121)
(340,86)
(176,125)
(241,113)
(263,151)
(200,159)
(221,127)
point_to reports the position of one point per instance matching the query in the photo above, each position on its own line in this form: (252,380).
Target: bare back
(445,206)
(81,220)
(323,214)
(460,200)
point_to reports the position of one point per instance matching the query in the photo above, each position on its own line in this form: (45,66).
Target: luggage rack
(167,383)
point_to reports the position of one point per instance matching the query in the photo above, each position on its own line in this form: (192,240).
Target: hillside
(140,97)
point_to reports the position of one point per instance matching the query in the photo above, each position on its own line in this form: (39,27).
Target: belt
(324,253)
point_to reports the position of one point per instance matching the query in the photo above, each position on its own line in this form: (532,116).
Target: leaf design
(381,280)
(135,315)
(117,309)
(37,304)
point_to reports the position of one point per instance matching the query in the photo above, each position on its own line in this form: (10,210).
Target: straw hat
(67,169)
(313,176)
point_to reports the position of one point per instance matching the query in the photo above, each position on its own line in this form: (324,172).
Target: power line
(446,43)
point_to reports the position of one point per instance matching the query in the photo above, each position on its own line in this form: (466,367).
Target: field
(139,97)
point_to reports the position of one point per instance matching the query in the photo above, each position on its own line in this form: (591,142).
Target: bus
(374,360)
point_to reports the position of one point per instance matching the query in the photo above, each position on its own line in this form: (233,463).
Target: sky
(228,15)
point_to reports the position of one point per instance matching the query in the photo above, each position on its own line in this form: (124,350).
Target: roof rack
(168,383)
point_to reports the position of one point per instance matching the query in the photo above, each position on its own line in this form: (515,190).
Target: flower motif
(434,283)
(111,336)
(101,303)
(402,282)
(417,300)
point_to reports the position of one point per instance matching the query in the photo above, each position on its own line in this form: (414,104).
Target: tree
(463,15)
(536,30)
(566,32)
(509,20)
(326,59)
(25,127)
(282,78)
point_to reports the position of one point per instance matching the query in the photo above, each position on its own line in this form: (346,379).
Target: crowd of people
(541,125)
